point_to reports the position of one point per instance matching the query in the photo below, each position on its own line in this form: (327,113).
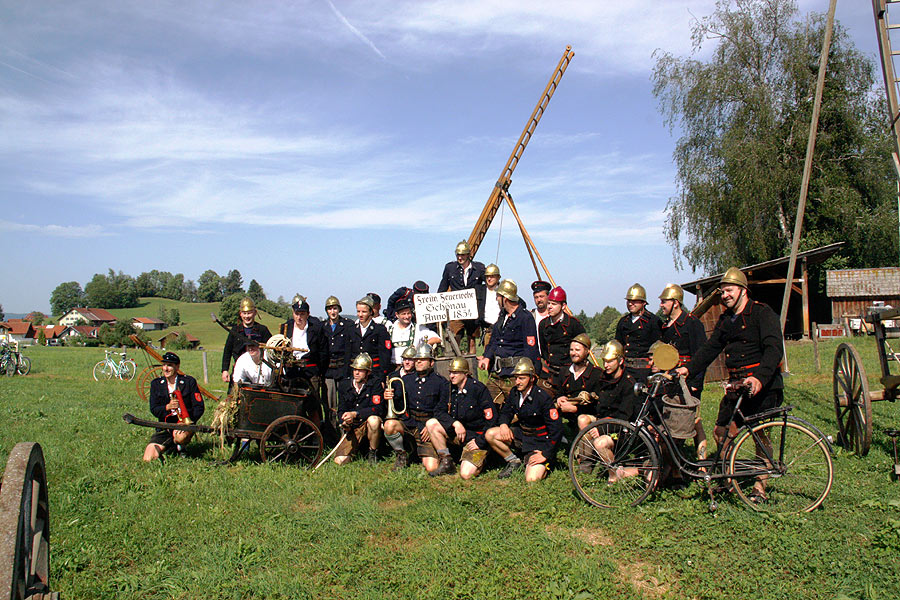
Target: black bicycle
(774,462)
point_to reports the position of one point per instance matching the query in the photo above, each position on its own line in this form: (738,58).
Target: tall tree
(174,287)
(99,293)
(255,291)
(744,115)
(233,283)
(65,297)
(189,291)
(209,286)
(146,285)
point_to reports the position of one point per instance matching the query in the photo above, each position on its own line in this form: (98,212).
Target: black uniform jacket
(473,407)
(512,336)
(424,395)
(637,337)
(318,358)
(565,384)
(687,334)
(538,418)
(367,402)
(452,280)
(235,344)
(338,347)
(377,342)
(555,339)
(752,342)
(617,399)
(187,385)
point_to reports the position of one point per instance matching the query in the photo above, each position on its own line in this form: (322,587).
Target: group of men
(378,380)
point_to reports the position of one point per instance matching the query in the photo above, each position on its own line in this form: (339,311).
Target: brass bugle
(392,412)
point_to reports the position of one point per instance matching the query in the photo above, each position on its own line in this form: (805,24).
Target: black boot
(510,468)
(402,461)
(372,457)
(446,467)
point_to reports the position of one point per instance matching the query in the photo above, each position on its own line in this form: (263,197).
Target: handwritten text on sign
(455,306)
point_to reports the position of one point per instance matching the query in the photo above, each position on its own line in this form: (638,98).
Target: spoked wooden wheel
(293,440)
(144,379)
(852,403)
(24,525)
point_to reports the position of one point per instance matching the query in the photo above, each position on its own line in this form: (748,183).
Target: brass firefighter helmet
(332,301)
(524,367)
(672,291)
(734,276)
(409,353)
(583,339)
(424,351)
(463,248)
(509,290)
(368,301)
(665,356)
(459,365)
(362,362)
(247,304)
(492,269)
(636,292)
(612,349)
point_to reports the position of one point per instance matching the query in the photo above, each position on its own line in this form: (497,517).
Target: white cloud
(70,231)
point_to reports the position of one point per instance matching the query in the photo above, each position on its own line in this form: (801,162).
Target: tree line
(120,290)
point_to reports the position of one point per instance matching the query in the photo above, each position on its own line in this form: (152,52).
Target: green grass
(194,317)
(191,529)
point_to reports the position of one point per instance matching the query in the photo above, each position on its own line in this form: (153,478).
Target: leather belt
(741,371)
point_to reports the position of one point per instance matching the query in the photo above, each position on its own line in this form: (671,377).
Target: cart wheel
(291,439)
(24,524)
(144,379)
(851,400)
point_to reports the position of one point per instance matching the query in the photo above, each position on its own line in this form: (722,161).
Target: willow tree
(743,112)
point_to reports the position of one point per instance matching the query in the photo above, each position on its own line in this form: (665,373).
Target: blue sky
(336,147)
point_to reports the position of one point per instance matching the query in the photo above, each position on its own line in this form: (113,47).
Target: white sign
(453,306)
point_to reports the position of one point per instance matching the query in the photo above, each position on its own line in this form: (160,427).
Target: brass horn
(392,412)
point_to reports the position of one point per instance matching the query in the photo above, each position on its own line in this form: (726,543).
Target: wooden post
(815,341)
(804,293)
(205,369)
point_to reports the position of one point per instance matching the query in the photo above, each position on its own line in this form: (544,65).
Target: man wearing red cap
(556,333)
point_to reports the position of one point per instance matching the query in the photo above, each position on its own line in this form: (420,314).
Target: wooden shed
(854,291)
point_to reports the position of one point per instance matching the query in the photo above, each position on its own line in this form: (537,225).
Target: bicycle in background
(123,369)
(12,361)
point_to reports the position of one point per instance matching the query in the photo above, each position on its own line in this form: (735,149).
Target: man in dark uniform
(245,328)
(407,363)
(684,331)
(576,386)
(512,337)
(371,337)
(171,396)
(537,430)
(425,392)
(337,329)
(555,333)
(462,422)
(749,333)
(310,362)
(361,410)
(463,274)
(636,331)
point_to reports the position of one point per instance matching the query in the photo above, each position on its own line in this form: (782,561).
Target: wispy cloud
(354,30)
(69,231)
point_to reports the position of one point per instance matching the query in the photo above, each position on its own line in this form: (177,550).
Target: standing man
(371,337)
(308,336)
(463,422)
(556,332)
(376,310)
(636,331)
(513,337)
(491,307)
(361,411)
(337,329)
(246,328)
(461,275)
(425,392)
(406,334)
(576,387)
(169,396)
(541,292)
(529,420)
(749,333)
(684,331)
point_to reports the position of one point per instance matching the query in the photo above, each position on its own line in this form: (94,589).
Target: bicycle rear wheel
(792,460)
(8,366)
(24,365)
(102,371)
(127,369)
(613,464)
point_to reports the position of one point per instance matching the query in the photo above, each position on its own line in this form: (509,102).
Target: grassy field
(191,529)
(194,317)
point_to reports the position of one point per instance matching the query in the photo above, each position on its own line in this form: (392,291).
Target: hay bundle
(225,413)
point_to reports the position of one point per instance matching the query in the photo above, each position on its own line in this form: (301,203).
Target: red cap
(557,294)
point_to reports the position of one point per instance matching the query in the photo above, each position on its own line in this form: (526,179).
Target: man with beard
(577,385)
(636,331)
(555,333)
(246,328)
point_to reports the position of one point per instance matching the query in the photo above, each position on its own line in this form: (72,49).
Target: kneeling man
(174,398)
(360,410)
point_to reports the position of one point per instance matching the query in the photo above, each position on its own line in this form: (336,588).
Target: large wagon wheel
(291,439)
(144,379)
(24,525)
(851,400)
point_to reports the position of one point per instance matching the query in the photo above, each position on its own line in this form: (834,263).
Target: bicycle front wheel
(127,369)
(24,365)
(788,460)
(613,464)
(102,371)
(9,366)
